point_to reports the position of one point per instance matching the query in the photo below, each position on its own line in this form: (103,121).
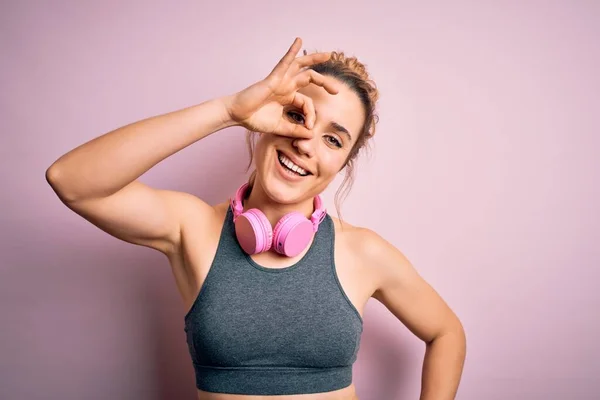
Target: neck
(273,210)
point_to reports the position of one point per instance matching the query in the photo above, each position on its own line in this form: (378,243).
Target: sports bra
(273,331)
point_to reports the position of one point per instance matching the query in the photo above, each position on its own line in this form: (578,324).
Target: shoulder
(359,239)
(372,250)
(197,216)
(365,242)
(189,207)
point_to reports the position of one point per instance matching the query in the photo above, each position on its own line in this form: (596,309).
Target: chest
(246,316)
(356,280)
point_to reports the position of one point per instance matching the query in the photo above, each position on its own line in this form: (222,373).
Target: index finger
(309,60)
(311,76)
(284,64)
(299,130)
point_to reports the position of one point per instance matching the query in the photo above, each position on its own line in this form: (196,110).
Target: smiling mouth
(290,166)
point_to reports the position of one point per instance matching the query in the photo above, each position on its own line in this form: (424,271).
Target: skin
(323,155)
(295,110)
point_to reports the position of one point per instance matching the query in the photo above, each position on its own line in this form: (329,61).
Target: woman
(274,287)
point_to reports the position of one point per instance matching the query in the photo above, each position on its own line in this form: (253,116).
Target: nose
(304,146)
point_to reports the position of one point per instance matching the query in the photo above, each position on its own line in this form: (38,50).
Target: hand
(263,106)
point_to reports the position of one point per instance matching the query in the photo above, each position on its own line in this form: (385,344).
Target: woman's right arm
(97,180)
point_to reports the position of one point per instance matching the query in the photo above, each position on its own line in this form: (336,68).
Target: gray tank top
(265,331)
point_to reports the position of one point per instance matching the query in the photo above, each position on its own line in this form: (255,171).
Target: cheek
(332,163)
(259,151)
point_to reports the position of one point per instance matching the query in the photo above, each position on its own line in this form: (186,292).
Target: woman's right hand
(263,106)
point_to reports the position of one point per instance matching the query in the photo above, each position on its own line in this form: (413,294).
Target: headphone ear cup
(253,231)
(292,234)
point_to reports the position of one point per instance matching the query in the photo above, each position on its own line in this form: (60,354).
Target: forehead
(343,108)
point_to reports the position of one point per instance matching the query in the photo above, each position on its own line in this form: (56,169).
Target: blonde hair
(353,73)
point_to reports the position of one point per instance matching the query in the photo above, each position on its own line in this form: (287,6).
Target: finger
(293,129)
(309,60)
(284,64)
(307,106)
(309,76)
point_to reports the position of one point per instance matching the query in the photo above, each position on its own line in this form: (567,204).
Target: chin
(283,192)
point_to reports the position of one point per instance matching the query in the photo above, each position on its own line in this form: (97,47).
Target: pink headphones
(290,236)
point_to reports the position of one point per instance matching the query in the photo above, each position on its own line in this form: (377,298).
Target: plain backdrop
(484,173)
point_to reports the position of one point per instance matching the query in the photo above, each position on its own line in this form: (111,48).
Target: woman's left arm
(418,306)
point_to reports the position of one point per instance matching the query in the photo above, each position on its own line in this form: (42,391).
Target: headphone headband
(316,217)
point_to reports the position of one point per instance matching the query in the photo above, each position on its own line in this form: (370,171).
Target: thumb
(295,130)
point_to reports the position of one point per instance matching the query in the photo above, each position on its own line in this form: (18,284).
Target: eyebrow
(339,128)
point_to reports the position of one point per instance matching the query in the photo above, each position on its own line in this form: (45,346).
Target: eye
(333,140)
(296,116)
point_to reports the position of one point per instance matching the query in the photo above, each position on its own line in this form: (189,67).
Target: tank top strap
(229,253)
(321,248)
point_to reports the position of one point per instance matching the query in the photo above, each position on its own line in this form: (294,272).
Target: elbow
(453,331)
(455,337)
(52,177)
(457,330)
(56,180)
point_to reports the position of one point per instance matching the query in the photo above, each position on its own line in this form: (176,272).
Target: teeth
(288,163)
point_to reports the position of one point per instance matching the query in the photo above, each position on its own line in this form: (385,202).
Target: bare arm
(97,180)
(106,164)
(416,304)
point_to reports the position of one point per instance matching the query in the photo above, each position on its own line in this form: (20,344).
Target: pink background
(484,173)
